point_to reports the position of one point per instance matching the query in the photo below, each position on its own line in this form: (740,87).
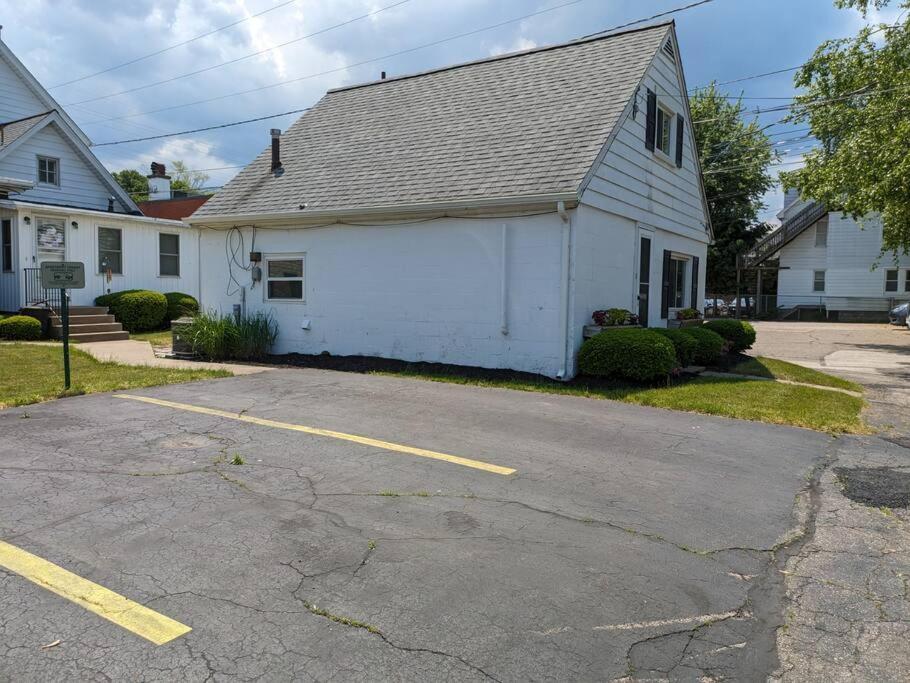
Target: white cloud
(518,45)
(196,154)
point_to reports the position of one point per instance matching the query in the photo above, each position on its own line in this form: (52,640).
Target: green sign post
(64,275)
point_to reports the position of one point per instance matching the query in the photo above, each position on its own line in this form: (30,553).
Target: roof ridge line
(502,57)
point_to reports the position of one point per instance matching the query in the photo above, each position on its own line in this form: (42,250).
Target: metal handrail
(794,227)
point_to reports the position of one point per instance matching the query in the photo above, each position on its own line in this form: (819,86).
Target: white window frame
(821,234)
(98,249)
(665,113)
(43,183)
(686,286)
(301,256)
(161,253)
(897,280)
(815,280)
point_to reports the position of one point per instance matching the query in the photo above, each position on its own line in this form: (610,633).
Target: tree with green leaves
(735,155)
(857,104)
(185,179)
(136,184)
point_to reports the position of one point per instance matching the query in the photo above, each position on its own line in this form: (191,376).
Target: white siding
(80,185)
(633,188)
(852,282)
(645,186)
(16,100)
(428,291)
(140,253)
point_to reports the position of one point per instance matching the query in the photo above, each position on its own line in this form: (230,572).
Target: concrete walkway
(133,352)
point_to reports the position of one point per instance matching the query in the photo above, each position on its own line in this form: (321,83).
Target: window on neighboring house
(6,237)
(168,254)
(821,233)
(48,171)
(891,276)
(664,130)
(818,281)
(110,250)
(284,278)
(907,280)
(678,291)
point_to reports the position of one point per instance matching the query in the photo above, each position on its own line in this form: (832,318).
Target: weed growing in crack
(237,459)
(390,494)
(371,544)
(24,416)
(338,619)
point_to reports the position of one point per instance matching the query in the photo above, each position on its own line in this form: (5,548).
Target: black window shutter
(651,121)
(694,301)
(665,291)
(680,128)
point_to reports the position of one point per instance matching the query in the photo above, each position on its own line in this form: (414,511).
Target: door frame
(36,219)
(642,232)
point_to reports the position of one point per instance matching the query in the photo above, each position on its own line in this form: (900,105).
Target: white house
(830,261)
(57,202)
(475,214)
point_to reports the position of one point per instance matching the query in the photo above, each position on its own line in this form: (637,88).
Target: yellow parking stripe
(105,603)
(364,440)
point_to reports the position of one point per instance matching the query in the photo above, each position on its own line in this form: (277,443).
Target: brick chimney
(159,182)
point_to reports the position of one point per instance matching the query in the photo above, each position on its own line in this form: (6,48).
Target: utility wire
(298,39)
(653,16)
(200,130)
(174,46)
(346,67)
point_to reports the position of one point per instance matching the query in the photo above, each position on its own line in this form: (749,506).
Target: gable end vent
(668,50)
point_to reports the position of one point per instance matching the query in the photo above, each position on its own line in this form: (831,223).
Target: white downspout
(199,268)
(504,282)
(564,288)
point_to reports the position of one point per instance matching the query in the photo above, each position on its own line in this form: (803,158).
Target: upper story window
(110,250)
(891,279)
(661,135)
(48,171)
(664,130)
(821,233)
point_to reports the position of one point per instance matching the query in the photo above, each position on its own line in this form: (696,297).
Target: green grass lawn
(155,338)
(30,373)
(779,369)
(758,400)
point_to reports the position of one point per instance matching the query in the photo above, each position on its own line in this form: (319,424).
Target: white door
(51,239)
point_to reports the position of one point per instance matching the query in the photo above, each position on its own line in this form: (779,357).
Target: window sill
(665,159)
(168,277)
(296,302)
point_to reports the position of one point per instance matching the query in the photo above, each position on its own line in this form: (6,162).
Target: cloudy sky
(71,47)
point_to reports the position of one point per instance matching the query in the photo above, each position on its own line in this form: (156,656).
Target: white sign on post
(63,275)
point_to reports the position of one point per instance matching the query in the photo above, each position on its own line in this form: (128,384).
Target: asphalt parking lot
(627,541)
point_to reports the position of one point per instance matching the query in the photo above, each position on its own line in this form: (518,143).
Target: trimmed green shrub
(20,327)
(739,333)
(222,337)
(637,354)
(684,344)
(140,311)
(179,305)
(108,300)
(710,344)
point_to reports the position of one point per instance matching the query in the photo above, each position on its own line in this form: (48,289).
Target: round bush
(684,344)
(140,311)
(109,299)
(636,354)
(739,333)
(709,344)
(20,327)
(179,305)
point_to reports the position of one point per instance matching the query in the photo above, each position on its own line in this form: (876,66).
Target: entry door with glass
(644,277)
(51,237)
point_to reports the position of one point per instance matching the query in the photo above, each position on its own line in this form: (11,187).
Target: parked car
(899,315)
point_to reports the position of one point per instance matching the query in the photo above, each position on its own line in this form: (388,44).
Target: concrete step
(99,336)
(88,310)
(84,320)
(79,329)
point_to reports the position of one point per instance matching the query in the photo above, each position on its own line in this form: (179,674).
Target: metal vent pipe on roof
(276,150)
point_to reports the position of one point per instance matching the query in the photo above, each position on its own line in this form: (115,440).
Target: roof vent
(669,51)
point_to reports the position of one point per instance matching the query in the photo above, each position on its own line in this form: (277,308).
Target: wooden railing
(770,245)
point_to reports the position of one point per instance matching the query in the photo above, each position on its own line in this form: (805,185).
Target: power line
(346,67)
(200,130)
(653,16)
(298,39)
(174,46)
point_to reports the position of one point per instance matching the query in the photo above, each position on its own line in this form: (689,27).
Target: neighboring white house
(475,214)
(830,261)
(57,202)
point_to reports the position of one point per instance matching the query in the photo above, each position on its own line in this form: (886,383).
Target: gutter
(335,215)
(53,209)
(564,288)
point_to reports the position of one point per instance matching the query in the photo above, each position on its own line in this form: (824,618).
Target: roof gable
(520,125)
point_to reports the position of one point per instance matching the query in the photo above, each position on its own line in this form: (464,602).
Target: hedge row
(139,310)
(649,354)
(20,328)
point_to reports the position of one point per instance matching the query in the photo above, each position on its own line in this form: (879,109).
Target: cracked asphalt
(631,543)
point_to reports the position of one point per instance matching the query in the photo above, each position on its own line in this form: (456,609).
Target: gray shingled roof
(13,130)
(526,124)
